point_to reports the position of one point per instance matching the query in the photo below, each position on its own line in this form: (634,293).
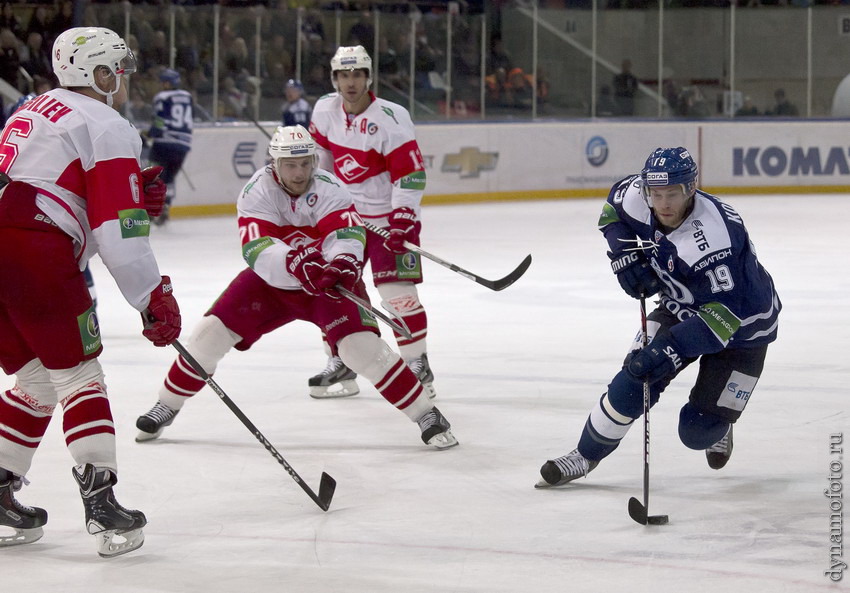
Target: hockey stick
(500,284)
(637,511)
(327,486)
(397,323)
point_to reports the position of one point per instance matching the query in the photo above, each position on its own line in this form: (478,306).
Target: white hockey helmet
(291,142)
(79,51)
(352,57)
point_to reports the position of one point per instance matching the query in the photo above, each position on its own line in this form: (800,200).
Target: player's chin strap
(108,95)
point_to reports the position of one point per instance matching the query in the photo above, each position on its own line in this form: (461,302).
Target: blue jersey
(710,276)
(297,113)
(172,118)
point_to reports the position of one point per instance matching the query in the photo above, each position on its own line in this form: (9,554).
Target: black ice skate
(153,422)
(567,468)
(25,522)
(337,380)
(105,518)
(422,370)
(436,430)
(719,453)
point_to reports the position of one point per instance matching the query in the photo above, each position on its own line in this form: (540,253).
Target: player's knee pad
(67,382)
(403,296)
(366,354)
(33,380)
(210,341)
(625,394)
(698,430)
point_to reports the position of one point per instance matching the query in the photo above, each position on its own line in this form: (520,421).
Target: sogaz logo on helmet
(299,149)
(655,178)
(596,151)
(804,161)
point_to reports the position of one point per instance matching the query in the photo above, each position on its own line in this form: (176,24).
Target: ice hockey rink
(516,373)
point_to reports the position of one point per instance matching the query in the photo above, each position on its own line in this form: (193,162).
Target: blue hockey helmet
(670,166)
(170,76)
(294,83)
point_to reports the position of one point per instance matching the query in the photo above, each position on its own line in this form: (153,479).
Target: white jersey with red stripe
(272,223)
(375,153)
(84,159)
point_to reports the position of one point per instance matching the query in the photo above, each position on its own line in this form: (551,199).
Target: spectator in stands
(318,81)
(625,88)
(497,95)
(498,58)
(62,19)
(40,23)
(36,59)
(278,65)
(362,32)
(8,20)
(747,109)
(783,107)
(520,89)
(605,106)
(10,59)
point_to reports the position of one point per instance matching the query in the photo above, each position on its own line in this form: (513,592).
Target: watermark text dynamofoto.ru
(834,495)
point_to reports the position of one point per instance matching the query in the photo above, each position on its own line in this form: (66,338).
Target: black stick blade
(503,283)
(327,487)
(638,512)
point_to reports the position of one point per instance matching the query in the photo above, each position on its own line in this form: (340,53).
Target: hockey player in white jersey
(370,144)
(717,304)
(77,191)
(301,238)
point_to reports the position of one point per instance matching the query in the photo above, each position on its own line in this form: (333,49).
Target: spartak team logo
(349,169)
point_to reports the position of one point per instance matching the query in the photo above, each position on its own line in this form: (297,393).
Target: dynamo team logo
(596,151)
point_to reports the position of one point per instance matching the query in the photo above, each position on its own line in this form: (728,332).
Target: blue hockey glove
(658,361)
(635,274)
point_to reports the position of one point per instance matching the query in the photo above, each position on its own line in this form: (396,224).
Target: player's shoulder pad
(626,185)
(392,112)
(325,102)
(321,176)
(259,180)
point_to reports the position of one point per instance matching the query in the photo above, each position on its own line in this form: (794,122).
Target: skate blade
(21,536)
(345,388)
(109,547)
(444,440)
(148,436)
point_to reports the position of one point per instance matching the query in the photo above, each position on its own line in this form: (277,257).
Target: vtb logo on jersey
(349,169)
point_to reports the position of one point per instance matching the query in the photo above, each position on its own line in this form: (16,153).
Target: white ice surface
(516,373)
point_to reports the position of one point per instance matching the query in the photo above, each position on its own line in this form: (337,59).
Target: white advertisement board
(497,161)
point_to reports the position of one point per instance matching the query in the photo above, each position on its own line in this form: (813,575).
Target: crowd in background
(27,31)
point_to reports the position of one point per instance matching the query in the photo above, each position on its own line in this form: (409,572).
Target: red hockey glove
(154,190)
(344,269)
(162,317)
(307,265)
(402,226)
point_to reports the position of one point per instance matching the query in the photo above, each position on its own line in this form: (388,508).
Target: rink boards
(467,162)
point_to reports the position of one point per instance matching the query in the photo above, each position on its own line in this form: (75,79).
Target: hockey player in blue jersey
(296,111)
(717,304)
(170,132)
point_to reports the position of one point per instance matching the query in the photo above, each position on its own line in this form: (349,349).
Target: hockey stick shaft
(500,284)
(327,485)
(637,511)
(646,402)
(396,323)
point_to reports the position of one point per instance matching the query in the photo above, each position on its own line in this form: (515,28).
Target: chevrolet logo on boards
(469,162)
